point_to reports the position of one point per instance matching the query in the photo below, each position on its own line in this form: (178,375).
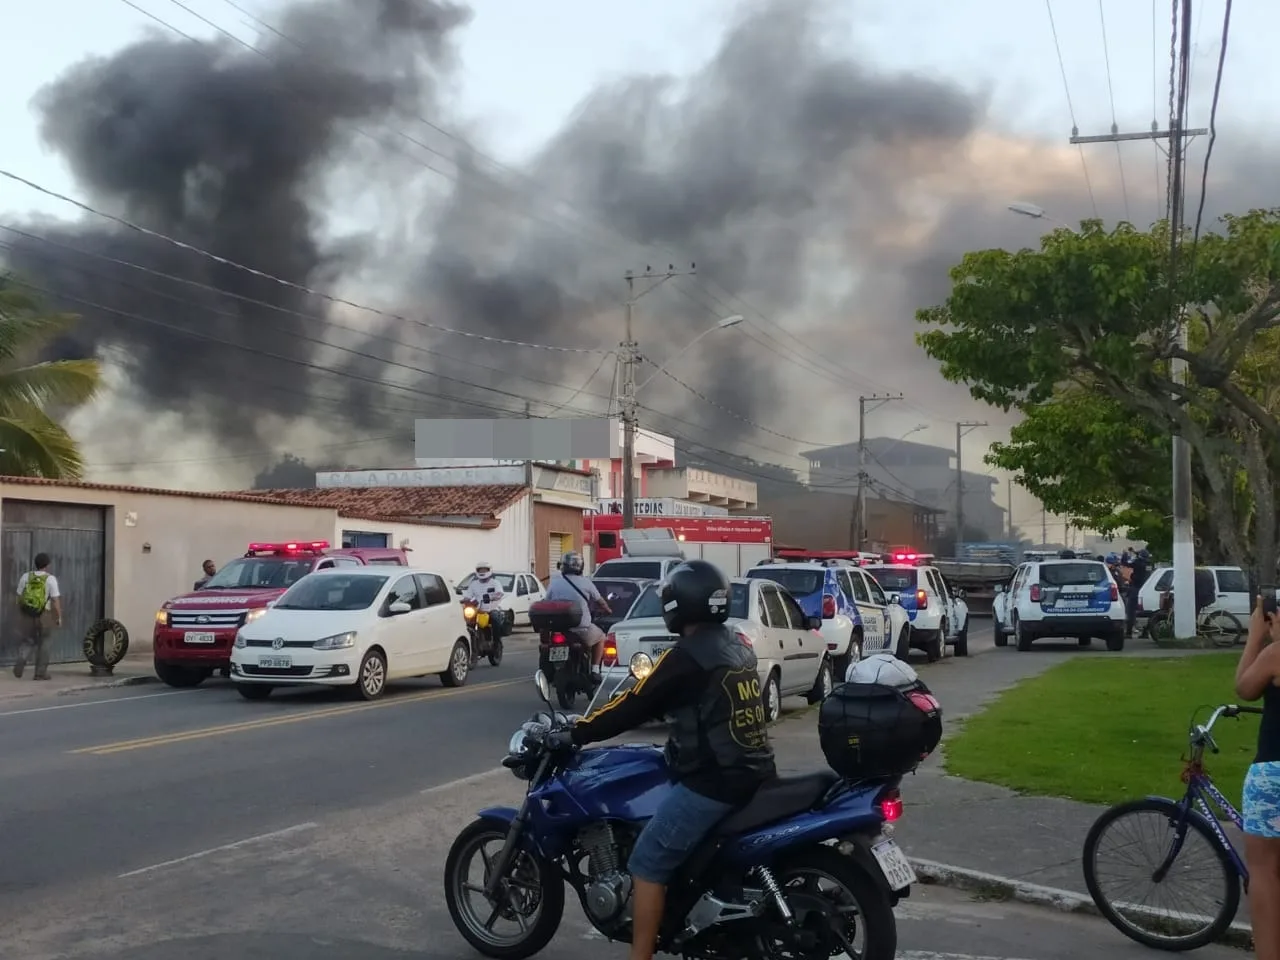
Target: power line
(1066,87)
(1213,126)
(1111,95)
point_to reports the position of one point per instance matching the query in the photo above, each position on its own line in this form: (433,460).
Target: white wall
(452,551)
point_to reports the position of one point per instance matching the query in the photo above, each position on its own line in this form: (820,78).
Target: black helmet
(694,592)
(571,563)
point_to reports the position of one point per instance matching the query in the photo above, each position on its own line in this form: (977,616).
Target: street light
(722,324)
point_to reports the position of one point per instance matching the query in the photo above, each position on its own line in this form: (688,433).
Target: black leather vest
(725,729)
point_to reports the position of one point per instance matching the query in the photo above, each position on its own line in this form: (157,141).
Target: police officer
(718,753)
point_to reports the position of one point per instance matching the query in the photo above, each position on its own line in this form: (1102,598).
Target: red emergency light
(291,546)
(909,557)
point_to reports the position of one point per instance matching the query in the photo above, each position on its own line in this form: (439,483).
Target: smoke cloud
(831,196)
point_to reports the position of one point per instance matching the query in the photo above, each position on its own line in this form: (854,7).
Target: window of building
(364,538)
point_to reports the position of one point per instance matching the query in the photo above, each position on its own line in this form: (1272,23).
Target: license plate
(198,637)
(894,863)
(657,649)
(275,663)
(558,654)
(1071,604)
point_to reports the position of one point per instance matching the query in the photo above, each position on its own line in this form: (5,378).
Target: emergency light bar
(292,546)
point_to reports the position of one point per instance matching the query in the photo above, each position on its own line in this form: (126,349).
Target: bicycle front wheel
(1160,627)
(1142,837)
(1223,628)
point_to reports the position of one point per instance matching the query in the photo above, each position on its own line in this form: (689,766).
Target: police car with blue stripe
(938,615)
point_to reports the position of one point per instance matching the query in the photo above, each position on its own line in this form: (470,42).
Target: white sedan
(791,653)
(355,628)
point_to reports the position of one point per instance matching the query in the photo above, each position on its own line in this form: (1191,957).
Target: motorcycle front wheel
(840,911)
(526,913)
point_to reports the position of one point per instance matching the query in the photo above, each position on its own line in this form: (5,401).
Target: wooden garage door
(74,536)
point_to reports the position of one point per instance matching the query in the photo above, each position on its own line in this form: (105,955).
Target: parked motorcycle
(766,885)
(485,633)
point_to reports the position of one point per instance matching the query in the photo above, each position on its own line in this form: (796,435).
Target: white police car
(816,587)
(1062,598)
(885,625)
(939,618)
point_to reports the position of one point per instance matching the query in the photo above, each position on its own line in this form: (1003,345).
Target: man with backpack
(37,593)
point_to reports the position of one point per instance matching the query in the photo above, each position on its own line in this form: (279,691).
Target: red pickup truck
(194,632)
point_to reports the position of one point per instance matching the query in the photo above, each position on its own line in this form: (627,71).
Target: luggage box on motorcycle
(555,616)
(873,730)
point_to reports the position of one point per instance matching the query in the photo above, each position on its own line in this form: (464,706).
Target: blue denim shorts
(681,821)
(1261,807)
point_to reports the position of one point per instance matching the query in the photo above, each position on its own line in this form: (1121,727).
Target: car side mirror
(895,598)
(813,623)
(399,607)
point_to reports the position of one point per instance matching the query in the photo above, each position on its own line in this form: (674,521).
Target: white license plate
(656,650)
(894,863)
(1071,605)
(198,637)
(275,663)
(558,654)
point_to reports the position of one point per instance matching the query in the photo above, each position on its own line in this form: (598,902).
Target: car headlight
(162,618)
(240,641)
(253,615)
(339,641)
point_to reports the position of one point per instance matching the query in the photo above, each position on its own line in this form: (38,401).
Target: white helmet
(884,669)
(484,570)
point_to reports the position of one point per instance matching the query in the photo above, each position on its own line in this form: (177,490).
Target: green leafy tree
(1080,335)
(34,393)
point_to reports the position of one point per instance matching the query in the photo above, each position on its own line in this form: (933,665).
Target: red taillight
(611,649)
(891,806)
(557,638)
(828,607)
(743,637)
(1035,593)
(922,600)
(1115,593)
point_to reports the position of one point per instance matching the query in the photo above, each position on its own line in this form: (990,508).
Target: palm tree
(32,442)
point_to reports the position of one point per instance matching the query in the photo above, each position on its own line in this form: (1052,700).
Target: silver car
(792,653)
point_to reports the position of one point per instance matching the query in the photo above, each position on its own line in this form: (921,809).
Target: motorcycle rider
(484,583)
(718,753)
(569,585)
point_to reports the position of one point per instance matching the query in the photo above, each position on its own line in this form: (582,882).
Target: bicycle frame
(1203,796)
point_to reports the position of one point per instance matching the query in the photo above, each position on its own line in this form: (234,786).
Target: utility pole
(1008,507)
(629,358)
(1176,136)
(1044,526)
(962,429)
(859,537)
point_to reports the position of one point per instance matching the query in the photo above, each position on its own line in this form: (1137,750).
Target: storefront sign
(654,507)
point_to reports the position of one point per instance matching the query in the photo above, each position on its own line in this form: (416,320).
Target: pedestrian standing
(38,596)
(209,570)
(1258,675)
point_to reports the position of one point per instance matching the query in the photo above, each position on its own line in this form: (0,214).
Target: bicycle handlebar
(1201,732)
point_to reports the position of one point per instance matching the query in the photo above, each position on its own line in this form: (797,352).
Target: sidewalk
(67,678)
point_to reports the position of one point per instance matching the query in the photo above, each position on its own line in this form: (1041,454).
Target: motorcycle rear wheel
(863,906)
(533,882)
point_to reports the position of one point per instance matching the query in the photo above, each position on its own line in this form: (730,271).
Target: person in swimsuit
(1258,676)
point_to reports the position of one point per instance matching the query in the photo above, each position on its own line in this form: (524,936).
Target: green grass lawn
(1103,730)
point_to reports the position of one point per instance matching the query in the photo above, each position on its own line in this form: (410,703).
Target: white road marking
(465,781)
(96,703)
(929,955)
(248,841)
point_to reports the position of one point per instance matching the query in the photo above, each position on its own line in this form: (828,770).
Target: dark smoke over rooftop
(828,194)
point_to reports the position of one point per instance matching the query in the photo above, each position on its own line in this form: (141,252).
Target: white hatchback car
(1061,598)
(357,628)
(792,655)
(1231,583)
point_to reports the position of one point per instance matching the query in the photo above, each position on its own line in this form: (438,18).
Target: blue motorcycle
(807,870)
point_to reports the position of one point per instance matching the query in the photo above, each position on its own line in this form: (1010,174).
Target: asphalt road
(193,825)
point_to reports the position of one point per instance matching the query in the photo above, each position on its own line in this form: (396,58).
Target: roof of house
(484,501)
(150,491)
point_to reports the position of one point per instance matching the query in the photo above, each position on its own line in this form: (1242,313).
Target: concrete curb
(1066,901)
(107,684)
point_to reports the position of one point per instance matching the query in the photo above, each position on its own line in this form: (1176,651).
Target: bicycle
(1220,627)
(1188,819)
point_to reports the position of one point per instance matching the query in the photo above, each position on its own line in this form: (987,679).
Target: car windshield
(894,579)
(354,591)
(260,573)
(507,581)
(649,603)
(640,569)
(799,583)
(619,594)
(1072,574)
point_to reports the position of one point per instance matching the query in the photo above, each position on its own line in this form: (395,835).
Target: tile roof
(484,501)
(150,491)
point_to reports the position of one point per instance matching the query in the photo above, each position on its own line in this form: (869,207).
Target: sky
(519,77)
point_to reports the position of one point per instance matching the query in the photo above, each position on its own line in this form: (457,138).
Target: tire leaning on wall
(106,643)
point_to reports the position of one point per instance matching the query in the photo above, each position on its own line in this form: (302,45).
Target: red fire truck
(194,632)
(734,544)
